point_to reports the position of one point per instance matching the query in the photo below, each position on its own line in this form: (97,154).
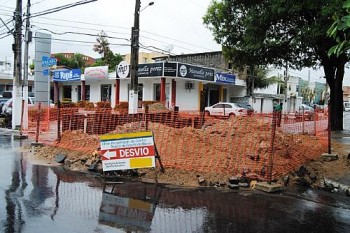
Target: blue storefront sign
(46,72)
(67,75)
(225,78)
(48,61)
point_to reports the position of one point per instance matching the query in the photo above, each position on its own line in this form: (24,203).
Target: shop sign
(195,72)
(96,73)
(170,69)
(225,78)
(150,70)
(123,69)
(66,75)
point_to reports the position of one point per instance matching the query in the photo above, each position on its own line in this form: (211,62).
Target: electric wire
(123,28)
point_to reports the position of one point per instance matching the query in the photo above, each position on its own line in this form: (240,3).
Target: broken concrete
(268,187)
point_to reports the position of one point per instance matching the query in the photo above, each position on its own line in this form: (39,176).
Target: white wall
(187,99)
(271,89)
(236,91)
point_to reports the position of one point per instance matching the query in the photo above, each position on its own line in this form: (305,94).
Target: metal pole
(329,129)
(28,39)
(134,58)
(272,142)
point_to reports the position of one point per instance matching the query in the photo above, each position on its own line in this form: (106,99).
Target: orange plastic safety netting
(191,141)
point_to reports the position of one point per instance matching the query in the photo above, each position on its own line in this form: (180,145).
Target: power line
(60,8)
(165,42)
(112,37)
(146,47)
(124,28)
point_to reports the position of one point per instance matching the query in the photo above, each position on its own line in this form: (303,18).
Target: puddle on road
(50,199)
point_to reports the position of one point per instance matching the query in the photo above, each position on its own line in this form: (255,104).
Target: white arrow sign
(110,154)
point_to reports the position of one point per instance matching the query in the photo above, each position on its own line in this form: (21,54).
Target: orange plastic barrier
(190,141)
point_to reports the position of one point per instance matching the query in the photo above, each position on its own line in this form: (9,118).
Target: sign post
(128,151)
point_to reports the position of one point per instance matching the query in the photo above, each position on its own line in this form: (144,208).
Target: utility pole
(286,78)
(28,39)
(134,59)
(17,80)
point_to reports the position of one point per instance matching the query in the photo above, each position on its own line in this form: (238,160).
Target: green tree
(340,31)
(102,45)
(280,32)
(75,62)
(108,58)
(257,77)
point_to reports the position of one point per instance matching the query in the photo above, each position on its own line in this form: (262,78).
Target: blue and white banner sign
(67,75)
(48,61)
(225,78)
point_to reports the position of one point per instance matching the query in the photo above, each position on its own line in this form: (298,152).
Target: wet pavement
(37,198)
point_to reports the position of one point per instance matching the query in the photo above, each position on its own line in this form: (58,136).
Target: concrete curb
(343,187)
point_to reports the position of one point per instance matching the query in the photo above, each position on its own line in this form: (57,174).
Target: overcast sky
(168,25)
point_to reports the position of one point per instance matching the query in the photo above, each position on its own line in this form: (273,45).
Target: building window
(87,92)
(67,93)
(156,92)
(106,91)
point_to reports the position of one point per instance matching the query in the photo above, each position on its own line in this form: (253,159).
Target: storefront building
(187,86)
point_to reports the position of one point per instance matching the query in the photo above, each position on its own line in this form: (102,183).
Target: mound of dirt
(210,155)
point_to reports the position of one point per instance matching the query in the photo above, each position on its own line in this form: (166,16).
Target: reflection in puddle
(128,213)
(53,199)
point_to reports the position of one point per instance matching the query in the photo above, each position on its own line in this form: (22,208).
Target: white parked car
(7,107)
(228,109)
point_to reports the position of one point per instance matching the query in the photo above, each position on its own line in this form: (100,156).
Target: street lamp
(149,4)
(134,58)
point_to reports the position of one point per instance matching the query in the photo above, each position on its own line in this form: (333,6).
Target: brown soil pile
(207,156)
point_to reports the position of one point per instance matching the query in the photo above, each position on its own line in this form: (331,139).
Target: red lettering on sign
(132,152)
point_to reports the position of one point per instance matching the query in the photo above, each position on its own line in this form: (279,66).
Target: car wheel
(231,115)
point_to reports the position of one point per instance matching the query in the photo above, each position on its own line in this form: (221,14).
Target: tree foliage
(280,32)
(340,31)
(258,78)
(102,45)
(108,58)
(75,62)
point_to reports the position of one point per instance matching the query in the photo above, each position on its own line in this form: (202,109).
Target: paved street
(40,198)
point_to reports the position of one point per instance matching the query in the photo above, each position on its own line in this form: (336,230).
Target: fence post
(302,120)
(146,116)
(58,120)
(38,124)
(175,115)
(315,118)
(272,142)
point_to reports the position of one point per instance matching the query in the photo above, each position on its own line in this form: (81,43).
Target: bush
(122,107)
(85,104)
(104,104)
(148,102)
(68,104)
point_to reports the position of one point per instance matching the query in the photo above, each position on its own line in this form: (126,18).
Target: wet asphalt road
(36,198)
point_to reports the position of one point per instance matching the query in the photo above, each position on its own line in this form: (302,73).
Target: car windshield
(244,105)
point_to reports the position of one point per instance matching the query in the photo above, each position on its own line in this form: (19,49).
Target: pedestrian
(278,111)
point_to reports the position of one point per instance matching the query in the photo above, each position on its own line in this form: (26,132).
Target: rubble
(297,158)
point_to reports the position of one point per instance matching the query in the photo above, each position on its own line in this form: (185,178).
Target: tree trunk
(334,71)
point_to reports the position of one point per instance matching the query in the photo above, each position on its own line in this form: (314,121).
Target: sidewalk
(343,137)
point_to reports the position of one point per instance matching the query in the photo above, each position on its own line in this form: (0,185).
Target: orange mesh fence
(191,141)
